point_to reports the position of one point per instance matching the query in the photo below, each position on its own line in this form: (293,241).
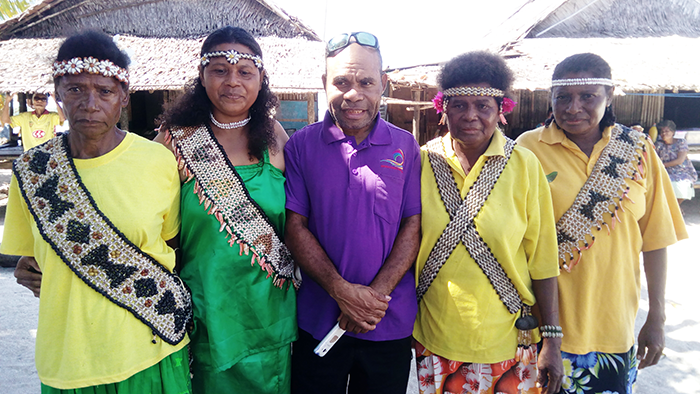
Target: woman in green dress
(229,151)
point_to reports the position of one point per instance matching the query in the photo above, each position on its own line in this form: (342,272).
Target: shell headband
(232,57)
(442,98)
(90,65)
(582,81)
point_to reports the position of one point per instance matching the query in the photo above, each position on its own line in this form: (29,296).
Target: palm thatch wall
(621,18)
(153,18)
(293,65)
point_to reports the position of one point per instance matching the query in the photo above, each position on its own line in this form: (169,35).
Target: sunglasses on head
(339,42)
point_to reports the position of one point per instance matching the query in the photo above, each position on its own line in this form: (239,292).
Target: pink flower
(437,102)
(508,105)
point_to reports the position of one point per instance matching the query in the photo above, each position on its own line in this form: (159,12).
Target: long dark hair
(192,109)
(598,67)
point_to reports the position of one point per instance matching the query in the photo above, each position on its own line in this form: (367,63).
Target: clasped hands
(361,307)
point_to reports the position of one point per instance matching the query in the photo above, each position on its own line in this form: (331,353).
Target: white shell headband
(90,65)
(232,57)
(582,81)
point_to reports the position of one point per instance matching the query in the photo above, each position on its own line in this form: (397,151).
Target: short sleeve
(16,121)
(662,224)
(411,203)
(17,239)
(295,186)
(682,145)
(171,219)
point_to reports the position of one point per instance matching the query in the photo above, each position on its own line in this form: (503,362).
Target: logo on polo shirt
(396,161)
(38,133)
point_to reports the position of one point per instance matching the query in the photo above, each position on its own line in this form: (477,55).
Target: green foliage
(10,8)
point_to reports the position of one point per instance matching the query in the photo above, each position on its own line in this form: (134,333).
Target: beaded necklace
(69,220)
(222,192)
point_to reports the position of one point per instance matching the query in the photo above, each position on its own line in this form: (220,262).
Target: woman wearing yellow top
(488,250)
(612,199)
(93,213)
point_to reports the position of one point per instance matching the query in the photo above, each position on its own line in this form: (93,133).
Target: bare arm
(277,155)
(174,244)
(363,306)
(401,258)
(28,274)
(651,336)
(5,117)
(679,160)
(549,364)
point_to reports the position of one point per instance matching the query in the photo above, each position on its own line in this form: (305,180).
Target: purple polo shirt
(354,197)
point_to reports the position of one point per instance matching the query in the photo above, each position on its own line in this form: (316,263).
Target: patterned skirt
(610,373)
(438,375)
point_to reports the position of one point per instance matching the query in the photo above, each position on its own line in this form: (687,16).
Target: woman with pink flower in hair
(488,257)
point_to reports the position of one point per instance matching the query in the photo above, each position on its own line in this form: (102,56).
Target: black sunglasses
(339,42)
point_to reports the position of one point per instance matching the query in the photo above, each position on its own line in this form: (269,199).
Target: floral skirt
(439,375)
(609,373)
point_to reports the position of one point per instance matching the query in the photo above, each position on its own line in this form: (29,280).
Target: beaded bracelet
(548,331)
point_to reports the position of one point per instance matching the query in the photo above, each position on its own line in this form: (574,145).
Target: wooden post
(310,107)
(124,117)
(416,115)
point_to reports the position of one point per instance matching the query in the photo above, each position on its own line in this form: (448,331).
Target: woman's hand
(28,274)
(550,368)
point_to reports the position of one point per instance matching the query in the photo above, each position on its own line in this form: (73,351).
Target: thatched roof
(620,19)
(638,64)
(294,65)
(154,18)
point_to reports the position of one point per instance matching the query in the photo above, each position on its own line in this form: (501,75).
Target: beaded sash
(461,227)
(93,248)
(222,192)
(620,159)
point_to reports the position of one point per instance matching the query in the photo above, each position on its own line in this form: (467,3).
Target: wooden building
(163,39)
(649,46)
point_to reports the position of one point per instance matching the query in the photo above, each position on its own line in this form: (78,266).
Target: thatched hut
(163,38)
(646,43)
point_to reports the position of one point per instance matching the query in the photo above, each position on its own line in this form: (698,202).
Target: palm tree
(10,8)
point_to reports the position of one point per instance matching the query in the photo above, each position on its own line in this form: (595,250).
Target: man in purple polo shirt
(353,225)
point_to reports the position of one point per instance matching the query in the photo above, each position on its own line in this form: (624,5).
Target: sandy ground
(678,372)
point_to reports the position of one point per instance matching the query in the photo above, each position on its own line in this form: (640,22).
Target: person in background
(674,154)
(37,126)
(233,258)
(95,214)
(612,201)
(353,226)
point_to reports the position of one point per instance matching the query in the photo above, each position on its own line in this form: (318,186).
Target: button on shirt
(354,196)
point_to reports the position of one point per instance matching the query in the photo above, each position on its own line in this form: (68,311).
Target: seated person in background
(37,126)
(674,154)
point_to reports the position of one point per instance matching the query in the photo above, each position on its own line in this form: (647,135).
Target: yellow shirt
(599,298)
(83,339)
(461,317)
(35,130)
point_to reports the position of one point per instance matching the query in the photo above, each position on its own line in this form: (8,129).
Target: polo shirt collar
(495,147)
(552,135)
(46,111)
(379,135)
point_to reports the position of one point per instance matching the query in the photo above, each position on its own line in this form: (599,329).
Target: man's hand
(362,307)
(651,343)
(28,274)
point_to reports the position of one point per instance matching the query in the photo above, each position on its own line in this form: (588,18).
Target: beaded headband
(90,65)
(582,81)
(473,91)
(232,57)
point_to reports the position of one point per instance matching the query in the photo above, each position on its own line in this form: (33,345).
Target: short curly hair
(477,67)
(598,68)
(92,43)
(193,108)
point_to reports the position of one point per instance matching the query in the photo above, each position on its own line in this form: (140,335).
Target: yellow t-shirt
(83,339)
(599,298)
(461,317)
(35,130)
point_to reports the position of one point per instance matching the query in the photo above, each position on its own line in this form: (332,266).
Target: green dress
(244,325)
